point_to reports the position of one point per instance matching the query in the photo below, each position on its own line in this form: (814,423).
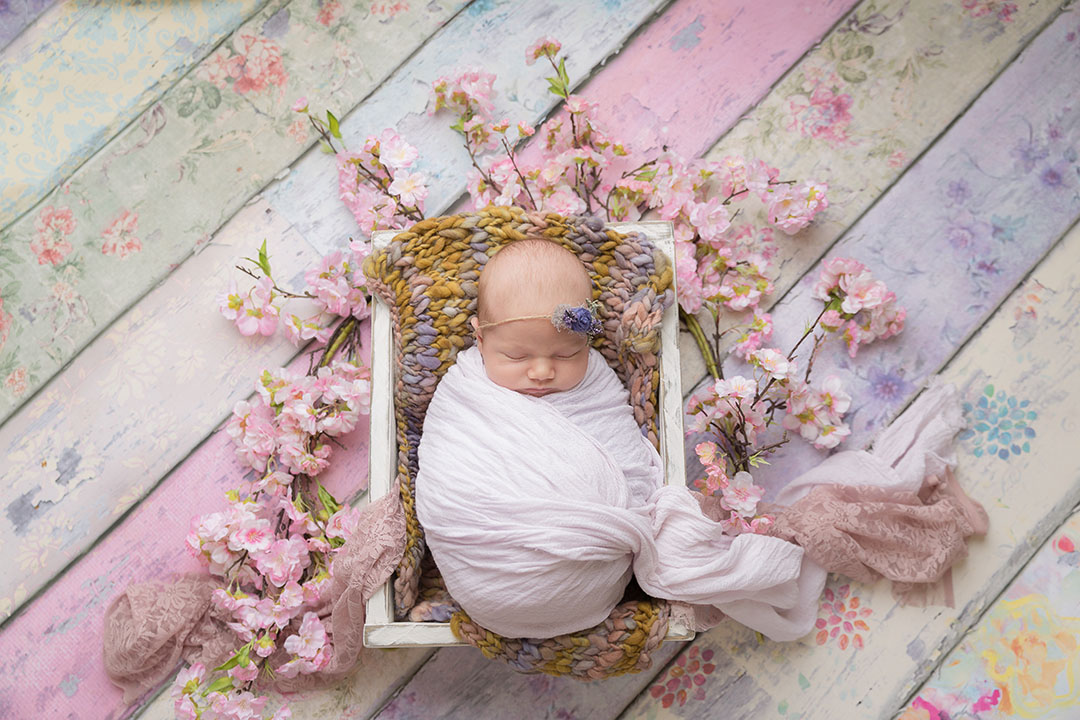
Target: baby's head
(519,289)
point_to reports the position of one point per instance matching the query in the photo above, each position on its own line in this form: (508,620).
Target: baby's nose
(541,369)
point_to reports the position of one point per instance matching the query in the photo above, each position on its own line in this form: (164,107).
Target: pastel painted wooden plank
(957,232)
(50,654)
(449,686)
(16,16)
(131,406)
(165,184)
(1020,660)
(1020,361)
(82,71)
(493,36)
(867,102)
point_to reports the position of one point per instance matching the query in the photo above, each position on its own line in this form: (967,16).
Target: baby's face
(533,357)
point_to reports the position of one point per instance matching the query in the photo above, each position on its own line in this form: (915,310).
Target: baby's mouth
(538,392)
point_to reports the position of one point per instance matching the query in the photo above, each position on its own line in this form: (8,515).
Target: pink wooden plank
(50,654)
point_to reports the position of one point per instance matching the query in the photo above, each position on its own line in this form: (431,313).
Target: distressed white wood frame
(380,629)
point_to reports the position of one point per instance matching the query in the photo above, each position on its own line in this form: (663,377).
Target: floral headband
(583,319)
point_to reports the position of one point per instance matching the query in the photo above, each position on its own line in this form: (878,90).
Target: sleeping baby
(540,497)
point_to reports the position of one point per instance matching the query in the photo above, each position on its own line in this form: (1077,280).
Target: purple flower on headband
(579,318)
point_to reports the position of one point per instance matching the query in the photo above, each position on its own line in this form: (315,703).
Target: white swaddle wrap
(537,511)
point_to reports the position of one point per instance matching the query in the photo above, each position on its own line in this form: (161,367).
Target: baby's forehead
(534,263)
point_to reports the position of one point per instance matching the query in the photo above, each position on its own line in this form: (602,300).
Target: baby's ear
(475,321)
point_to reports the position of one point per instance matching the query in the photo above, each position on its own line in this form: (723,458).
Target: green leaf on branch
(219,685)
(335,128)
(327,500)
(264,259)
(562,74)
(228,664)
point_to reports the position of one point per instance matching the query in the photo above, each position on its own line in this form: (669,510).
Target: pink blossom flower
(309,639)
(319,327)
(120,237)
(710,218)
(242,674)
(563,201)
(759,330)
(736,386)
(525,129)
(394,152)
(188,680)
(185,708)
(741,495)
(546,45)
(332,284)
(774,363)
(300,106)
(254,313)
(283,561)
(410,189)
(468,93)
(53,225)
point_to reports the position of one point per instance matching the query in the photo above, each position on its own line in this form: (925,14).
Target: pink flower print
(825,117)
(16,381)
(260,64)
(221,67)
(841,618)
(330,12)
(120,237)
(53,225)
(685,679)
(298,131)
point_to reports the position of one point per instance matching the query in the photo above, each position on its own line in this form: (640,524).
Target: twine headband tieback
(583,319)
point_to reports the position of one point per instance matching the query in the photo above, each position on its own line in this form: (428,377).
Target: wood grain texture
(131,407)
(72,80)
(1020,659)
(16,16)
(449,686)
(490,35)
(1023,352)
(864,105)
(164,185)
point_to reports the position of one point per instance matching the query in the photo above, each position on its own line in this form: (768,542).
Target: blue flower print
(999,424)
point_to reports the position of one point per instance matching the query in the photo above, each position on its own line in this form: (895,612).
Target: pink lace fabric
(866,532)
(151,627)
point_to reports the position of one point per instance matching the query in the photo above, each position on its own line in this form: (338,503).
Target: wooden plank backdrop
(73,82)
(15,17)
(158,190)
(95,461)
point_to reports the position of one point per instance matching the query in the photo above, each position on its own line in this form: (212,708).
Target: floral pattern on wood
(1023,658)
(998,424)
(163,186)
(79,74)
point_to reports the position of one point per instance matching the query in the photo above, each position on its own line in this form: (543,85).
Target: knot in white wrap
(538,510)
